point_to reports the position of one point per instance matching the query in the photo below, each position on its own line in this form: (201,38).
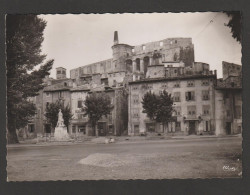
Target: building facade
(194,106)
(203,104)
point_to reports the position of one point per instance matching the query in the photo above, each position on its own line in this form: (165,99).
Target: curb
(120,141)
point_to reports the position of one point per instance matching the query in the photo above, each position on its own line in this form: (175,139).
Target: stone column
(134,65)
(150,61)
(141,65)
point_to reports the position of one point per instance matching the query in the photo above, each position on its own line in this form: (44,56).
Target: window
(190,96)
(133,50)
(47,104)
(164,85)
(206,109)
(79,104)
(177,96)
(31,128)
(143,47)
(58,72)
(63,72)
(205,95)
(150,87)
(205,82)
(114,82)
(65,84)
(110,118)
(175,41)
(80,116)
(135,99)
(82,129)
(135,113)
(176,84)
(191,111)
(226,95)
(47,94)
(150,127)
(134,88)
(190,83)
(104,81)
(161,43)
(228,113)
(177,110)
(60,94)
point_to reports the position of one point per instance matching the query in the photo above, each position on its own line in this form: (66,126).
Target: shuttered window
(190,96)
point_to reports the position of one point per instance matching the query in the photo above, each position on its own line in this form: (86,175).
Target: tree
(51,114)
(150,105)
(235,24)
(158,107)
(165,108)
(97,105)
(24,36)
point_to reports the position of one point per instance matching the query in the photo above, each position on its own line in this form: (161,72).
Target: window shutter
(192,95)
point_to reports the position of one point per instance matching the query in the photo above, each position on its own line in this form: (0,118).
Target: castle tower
(116,40)
(60,73)
(120,53)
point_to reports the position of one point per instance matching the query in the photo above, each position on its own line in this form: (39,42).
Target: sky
(80,39)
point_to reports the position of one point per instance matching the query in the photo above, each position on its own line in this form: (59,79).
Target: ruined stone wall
(155,71)
(230,69)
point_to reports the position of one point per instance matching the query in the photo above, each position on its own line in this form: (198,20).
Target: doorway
(228,128)
(136,129)
(192,128)
(102,128)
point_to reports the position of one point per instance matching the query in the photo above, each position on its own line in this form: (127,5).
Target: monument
(61,133)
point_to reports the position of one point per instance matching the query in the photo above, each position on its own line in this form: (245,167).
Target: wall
(230,69)
(155,71)
(139,89)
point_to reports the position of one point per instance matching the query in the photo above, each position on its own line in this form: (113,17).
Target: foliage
(25,111)
(235,24)
(158,107)
(52,110)
(97,105)
(165,107)
(24,36)
(150,105)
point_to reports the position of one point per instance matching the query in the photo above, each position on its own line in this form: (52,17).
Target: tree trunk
(11,131)
(93,129)
(96,130)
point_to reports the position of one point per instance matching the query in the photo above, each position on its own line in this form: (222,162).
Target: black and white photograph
(131,96)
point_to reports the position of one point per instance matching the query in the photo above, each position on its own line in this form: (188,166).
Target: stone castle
(203,104)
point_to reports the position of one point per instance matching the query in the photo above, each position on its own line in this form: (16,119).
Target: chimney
(116,41)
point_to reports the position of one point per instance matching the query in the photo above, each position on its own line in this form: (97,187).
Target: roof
(122,45)
(160,79)
(80,88)
(50,88)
